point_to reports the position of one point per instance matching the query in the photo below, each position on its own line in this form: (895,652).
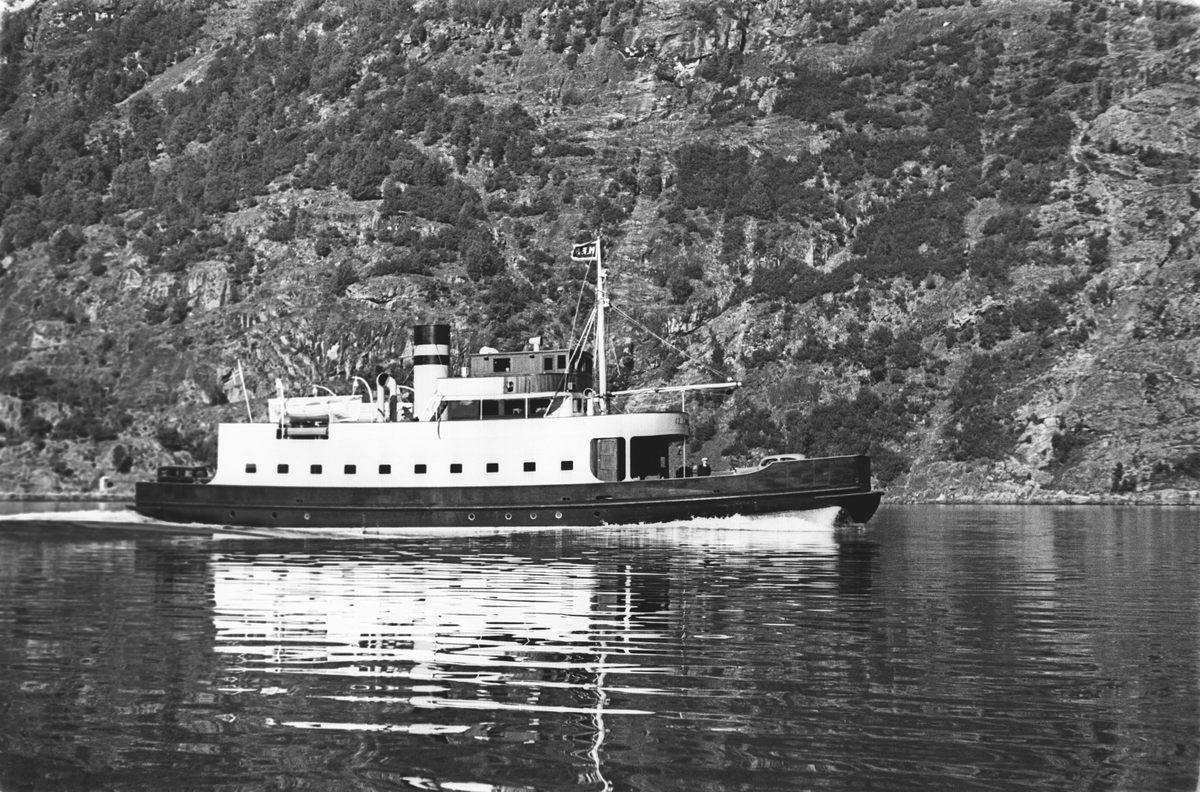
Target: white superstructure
(575,449)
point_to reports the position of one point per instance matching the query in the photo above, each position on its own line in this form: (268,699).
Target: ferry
(515,439)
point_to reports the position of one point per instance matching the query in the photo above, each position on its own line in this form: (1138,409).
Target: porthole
(508,516)
(595,514)
(274,515)
(533,515)
(231,513)
(306,515)
(471,517)
(558,515)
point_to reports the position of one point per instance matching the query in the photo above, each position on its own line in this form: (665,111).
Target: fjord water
(1011,648)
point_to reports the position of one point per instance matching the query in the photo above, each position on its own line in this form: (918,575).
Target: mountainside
(959,235)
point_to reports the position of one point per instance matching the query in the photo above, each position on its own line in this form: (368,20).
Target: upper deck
(533,384)
(534,371)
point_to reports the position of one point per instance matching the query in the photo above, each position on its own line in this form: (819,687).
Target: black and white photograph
(600,395)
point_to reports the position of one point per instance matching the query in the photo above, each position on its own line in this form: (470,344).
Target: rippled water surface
(936,649)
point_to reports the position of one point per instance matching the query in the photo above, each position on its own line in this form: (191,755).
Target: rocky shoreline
(1059,498)
(1166,497)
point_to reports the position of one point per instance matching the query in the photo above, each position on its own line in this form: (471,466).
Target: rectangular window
(350,470)
(251,467)
(455,467)
(419,470)
(505,408)
(493,467)
(530,467)
(462,411)
(567,465)
(501,365)
(562,362)
(385,470)
(314,469)
(539,407)
(548,363)
(281,468)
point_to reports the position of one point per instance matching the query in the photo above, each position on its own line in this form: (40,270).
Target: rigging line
(587,328)
(578,303)
(697,360)
(575,352)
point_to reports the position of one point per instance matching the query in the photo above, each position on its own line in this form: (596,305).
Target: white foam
(116,515)
(813,520)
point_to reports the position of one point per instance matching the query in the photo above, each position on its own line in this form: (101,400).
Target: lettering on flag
(584,252)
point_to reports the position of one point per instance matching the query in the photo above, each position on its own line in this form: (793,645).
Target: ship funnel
(431,362)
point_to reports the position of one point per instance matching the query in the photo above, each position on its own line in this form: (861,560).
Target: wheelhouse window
(501,365)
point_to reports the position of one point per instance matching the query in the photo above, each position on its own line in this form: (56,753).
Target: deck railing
(830,472)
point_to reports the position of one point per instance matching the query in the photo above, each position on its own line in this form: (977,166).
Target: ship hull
(803,485)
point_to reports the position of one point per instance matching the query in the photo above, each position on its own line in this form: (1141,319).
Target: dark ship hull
(791,486)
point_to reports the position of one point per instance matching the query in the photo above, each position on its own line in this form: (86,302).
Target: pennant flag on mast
(588,251)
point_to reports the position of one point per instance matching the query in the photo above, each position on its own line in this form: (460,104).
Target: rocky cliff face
(960,236)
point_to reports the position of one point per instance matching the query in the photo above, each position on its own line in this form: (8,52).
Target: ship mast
(601,304)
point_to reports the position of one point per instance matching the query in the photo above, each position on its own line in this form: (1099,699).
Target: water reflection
(495,621)
(511,646)
(938,649)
